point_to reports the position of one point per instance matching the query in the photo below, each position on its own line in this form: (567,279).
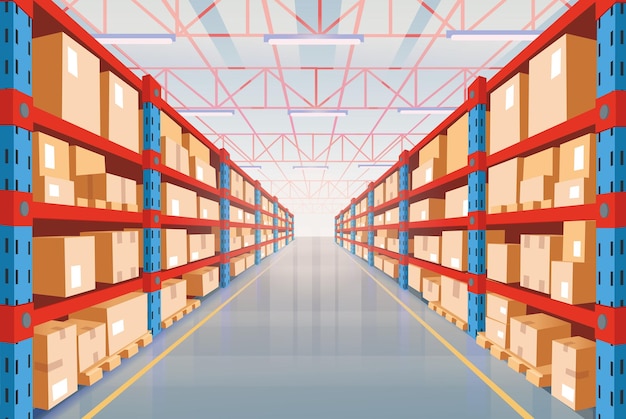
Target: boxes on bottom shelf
(454,249)
(415,276)
(63,266)
(53,190)
(390,267)
(201,246)
(497,332)
(202,171)
(509,113)
(573,282)
(175,156)
(55,370)
(456,203)
(574,372)
(179,202)
(431,288)
(91,342)
(537,254)
(504,184)
(173,248)
(455,297)
(118,104)
(427,248)
(237,265)
(428,209)
(503,262)
(202,281)
(173,297)
(501,308)
(117,255)
(428,172)
(208,209)
(249,258)
(532,335)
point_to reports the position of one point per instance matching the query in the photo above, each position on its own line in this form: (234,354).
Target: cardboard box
(236,214)
(171,129)
(431,290)
(428,248)
(536,256)
(429,171)
(173,297)
(379,219)
(196,148)
(578,158)
(579,241)
(179,202)
(536,189)
(202,281)
(50,157)
(504,180)
(456,203)
(501,308)
(82,202)
(455,297)
(201,246)
(129,193)
(379,194)
(248,240)
(104,187)
(173,248)
(175,156)
(235,242)
(544,163)
(392,216)
(248,192)
(236,185)
(84,162)
(457,144)
(66,80)
(428,209)
(390,234)
(249,258)
(126,319)
(140,250)
(574,372)
(393,245)
(55,370)
(509,113)
(454,249)
(53,190)
(237,265)
(392,187)
(529,206)
(573,282)
(63,266)
(119,105)
(497,332)
(574,192)
(415,276)
(249,218)
(202,171)
(380,242)
(117,255)
(546,204)
(532,336)
(562,80)
(390,267)
(208,209)
(503,262)
(91,340)
(140,200)
(379,261)
(435,149)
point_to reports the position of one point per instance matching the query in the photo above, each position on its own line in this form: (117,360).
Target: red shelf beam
(441,270)
(444,183)
(547,215)
(170,220)
(168,174)
(460,222)
(43,211)
(240,203)
(191,266)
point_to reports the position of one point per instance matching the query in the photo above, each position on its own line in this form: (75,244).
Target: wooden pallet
(455,320)
(189,307)
(538,376)
(94,373)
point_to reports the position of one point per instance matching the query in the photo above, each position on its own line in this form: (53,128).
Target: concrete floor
(313,337)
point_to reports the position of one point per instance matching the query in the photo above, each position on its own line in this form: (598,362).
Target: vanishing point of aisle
(312,332)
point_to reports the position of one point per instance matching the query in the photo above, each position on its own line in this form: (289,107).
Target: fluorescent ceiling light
(251,166)
(493,35)
(375,165)
(135,38)
(310,167)
(427,110)
(206,112)
(313,39)
(306,113)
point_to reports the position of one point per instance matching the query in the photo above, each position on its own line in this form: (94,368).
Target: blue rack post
(353,226)
(257,221)
(403,193)
(224,218)
(16,294)
(337,229)
(341,230)
(370,224)
(610,310)
(275,202)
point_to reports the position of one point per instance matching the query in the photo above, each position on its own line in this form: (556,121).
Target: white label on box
(429,174)
(72,62)
(455,262)
(240,213)
(119,96)
(579,158)
(49,157)
(510,98)
(175,207)
(433,257)
(53,190)
(59,390)
(503,310)
(465,207)
(574,192)
(567,392)
(577,249)
(76,280)
(423,215)
(555,68)
(173,261)
(195,256)
(564,290)
(117,327)
(388,216)
(199,173)
(205,213)
(500,334)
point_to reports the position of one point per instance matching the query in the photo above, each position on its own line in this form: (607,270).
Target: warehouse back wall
(314,225)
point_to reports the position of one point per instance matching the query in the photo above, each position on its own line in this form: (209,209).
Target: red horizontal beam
(442,184)
(441,270)
(547,215)
(460,222)
(190,267)
(43,211)
(240,203)
(169,220)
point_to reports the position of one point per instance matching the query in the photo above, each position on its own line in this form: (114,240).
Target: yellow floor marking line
(173,346)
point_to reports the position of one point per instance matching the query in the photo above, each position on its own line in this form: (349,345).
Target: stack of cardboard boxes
(428,248)
(200,246)
(503,192)
(208,209)
(416,274)
(202,281)
(91,347)
(431,288)
(540,174)
(173,248)
(173,297)
(179,202)
(500,310)
(574,372)
(455,297)
(432,162)
(537,254)
(577,172)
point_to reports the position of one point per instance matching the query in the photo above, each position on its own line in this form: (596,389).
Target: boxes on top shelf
(574,372)
(457,144)
(196,148)
(537,254)
(504,181)
(202,281)
(200,246)
(578,158)
(248,193)
(454,249)
(435,149)
(202,171)
(427,209)
(175,156)
(455,297)
(427,172)
(561,82)
(532,336)
(379,194)
(117,257)
(179,202)
(173,297)
(428,248)
(91,340)
(51,157)
(208,209)
(171,129)
(456,202)
(503,262)
(66,80)
(509,113)
(392,187)
(431,288)
(502,309)
(119,104)
(236,185)
(173,248)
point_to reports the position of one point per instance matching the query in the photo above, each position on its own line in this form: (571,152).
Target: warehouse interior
(323,208)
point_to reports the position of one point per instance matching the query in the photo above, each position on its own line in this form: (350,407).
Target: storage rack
(21,218)
(603,321)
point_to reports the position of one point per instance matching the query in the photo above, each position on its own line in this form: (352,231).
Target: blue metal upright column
(224,218)
(257,221)
(403,183)
(370,224)
(353,226)
(275,224)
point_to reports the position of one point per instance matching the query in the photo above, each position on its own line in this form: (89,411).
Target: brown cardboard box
(126,318)
(63,266)
(380,242)
(390,267)
(455,297)
(119,104)
(235,242)
(493,237)
(536,189)
(201,246)
(546,203)
(236,214)
(436,149)
(456,203)
(578,158)
(104,187)
(426,173)
(509,113)
(379,219)
(415,276)
(544,163)
(236,185)
(53,190)
(248,240)
(140,200)
(561,82)
(50,157)
(532,335)
(392,187)
(428,248)
(85,162)
(248,192)
(66,80)
(504,180)
(179,202)
(392,216)
(208,209)
(579,241)
(379,261)
(574,192)
(140,234)
(202,171)
(573,283)
(171,129)
(533,205)
(175,156)
(91,339)
(501,308)
(173,248)
(393,245)
(129,192)
(97,203)
(379,194)
(457,144)
(503,262)
(173,297)
(497,332)
(249,258)
(249,218)
(55,370)
(574,372)
(82,202)
(202,281)
(537,254)
(431,288)
(428,209)
(117,255)
(196,148)
(390,234)
(237,265)
(454,249)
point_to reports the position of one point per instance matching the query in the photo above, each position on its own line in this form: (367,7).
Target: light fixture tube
(493,35)
(313,39)
(135,38)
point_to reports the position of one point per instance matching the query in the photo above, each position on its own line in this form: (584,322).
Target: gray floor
(313,337)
